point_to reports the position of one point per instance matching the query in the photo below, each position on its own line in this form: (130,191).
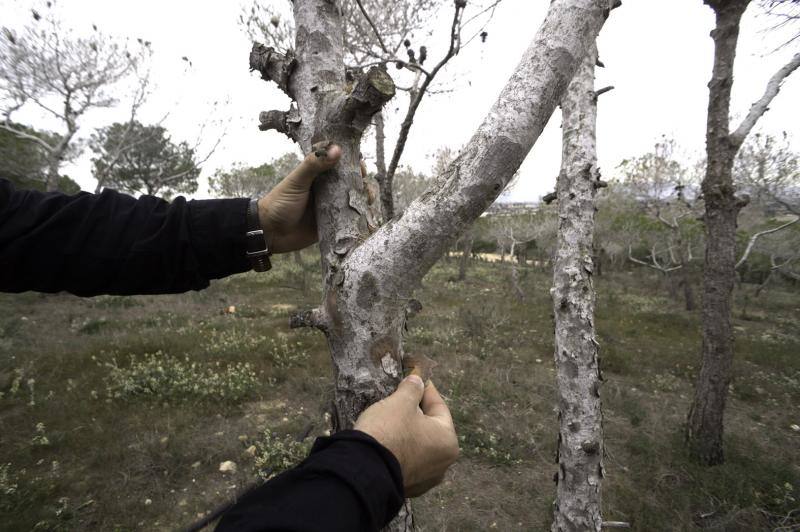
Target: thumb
(410,390)
(314,164)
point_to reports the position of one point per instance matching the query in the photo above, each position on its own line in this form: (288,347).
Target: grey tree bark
(704,429)
(580,439)
(370,273)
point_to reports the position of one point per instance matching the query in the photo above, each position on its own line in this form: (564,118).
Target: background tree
(705,421)
(666,193)
(767,169)
(63,76)
(154,165)
(24,163)
(252,181)
(243,181)
(370,273)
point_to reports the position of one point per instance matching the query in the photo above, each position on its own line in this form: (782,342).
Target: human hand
(415,424)
(286,215)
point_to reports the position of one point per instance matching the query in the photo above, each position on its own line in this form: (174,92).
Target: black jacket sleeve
(349,483)
(111,243)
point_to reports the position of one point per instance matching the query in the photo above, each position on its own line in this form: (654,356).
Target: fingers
(433,405)
(410,390)
(303,176)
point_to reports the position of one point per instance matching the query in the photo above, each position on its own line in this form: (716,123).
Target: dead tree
(371,272)
(705,420)
(580,437)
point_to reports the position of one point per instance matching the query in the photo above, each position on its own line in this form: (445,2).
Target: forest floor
(116,413)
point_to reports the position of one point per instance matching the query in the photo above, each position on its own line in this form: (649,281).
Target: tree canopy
(151,163)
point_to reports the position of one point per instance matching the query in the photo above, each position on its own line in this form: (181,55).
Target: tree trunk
(688,291)
(704,427)
(580,437)
(465,256)
(370,274)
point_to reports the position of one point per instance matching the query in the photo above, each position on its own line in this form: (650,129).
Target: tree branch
(758,235)
(761,106)
(273,65)
(405,248)
(27,136)
(604,90)
(408,121)
(374,29)
(281,121)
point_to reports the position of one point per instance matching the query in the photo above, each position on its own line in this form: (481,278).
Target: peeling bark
(704,430)
(370,274)
(580,439)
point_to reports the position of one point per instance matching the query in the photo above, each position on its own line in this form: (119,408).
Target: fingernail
(415,379)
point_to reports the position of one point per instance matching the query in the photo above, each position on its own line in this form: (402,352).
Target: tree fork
(369,277)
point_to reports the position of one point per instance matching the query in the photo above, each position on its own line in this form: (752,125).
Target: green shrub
(275,454)
(158,374)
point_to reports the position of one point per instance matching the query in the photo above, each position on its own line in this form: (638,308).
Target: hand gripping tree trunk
(580,437)
(704,427)
(370,273)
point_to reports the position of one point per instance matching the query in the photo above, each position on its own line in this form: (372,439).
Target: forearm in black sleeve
(349,483)
(112,243)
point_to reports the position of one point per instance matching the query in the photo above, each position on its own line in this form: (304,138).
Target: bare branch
(761,106)
(758,235)
(654,264)
(281,121)
(374,29)
(27,136)
(604,90)
(417,99)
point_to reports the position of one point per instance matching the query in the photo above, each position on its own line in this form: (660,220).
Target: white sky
(657,53)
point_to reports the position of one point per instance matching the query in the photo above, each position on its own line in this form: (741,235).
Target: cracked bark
(370,274)
(580,439)
(704,430)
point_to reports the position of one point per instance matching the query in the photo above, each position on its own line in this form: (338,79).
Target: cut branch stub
(285,122)
(371,91)
(274,66)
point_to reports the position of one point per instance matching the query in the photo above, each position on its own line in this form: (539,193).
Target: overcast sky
(658,55)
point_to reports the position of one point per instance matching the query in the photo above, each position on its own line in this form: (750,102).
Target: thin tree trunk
(704,427)
(688,290)
(465,256)
(515,274)
(580,437)
(369,275)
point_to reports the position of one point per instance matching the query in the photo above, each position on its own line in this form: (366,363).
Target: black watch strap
(257,249)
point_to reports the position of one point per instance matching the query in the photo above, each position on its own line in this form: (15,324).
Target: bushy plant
(158,374)
(275,454)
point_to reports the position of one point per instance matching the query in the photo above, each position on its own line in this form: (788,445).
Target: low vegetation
(116,413)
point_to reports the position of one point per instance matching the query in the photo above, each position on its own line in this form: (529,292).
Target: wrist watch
(257,249)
